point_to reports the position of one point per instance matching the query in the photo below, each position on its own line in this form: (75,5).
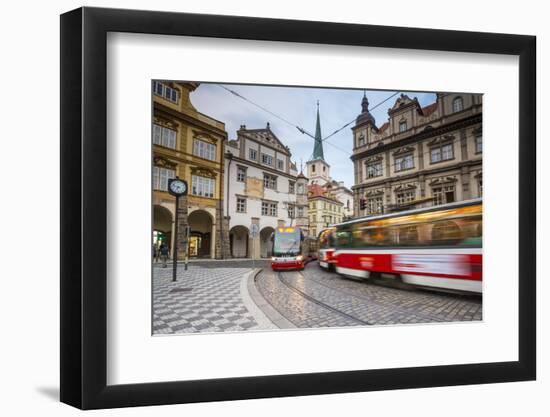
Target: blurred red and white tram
(326,248)
(436,247)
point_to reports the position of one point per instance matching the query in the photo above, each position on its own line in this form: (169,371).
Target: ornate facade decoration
(417,164)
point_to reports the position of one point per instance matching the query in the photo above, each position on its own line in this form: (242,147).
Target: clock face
(178,187)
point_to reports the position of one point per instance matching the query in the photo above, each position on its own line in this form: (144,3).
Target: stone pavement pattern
(202,300)
(359,302)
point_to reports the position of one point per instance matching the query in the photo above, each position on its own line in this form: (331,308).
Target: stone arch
(266,243)
(201,232)
(163,222)
(238,241)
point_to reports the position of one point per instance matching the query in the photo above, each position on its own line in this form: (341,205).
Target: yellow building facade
(324,209)
(189,145)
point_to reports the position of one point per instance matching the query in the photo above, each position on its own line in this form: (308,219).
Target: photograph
(305,207)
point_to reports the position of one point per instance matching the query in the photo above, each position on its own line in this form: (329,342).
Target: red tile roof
(316,190)
(384,127)
(426,111)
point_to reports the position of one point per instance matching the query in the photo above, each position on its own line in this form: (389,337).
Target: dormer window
(402,126)
(458,105)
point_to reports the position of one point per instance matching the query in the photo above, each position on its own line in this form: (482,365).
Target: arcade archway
(200,236)
(238,241)
(266,244)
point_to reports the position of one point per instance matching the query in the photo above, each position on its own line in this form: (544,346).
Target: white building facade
(261,187)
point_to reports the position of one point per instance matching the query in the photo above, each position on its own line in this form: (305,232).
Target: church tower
(318,171)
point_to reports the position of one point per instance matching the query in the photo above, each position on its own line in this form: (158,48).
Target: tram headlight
(300,258)
(273,258)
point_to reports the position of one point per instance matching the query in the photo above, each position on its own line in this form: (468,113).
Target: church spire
(318,148)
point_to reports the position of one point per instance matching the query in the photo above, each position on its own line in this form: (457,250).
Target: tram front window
(286,244)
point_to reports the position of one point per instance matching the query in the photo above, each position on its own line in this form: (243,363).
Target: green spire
(318,149)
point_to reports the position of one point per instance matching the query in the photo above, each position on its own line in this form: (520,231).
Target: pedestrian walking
(163,254)
(155,253)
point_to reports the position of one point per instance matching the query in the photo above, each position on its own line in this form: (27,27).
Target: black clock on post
(178,188)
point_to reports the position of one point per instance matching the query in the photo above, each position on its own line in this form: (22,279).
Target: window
(300,212)
(300,188)
(324,168)
(241,205)
(267,159)
(444,194)
(166,92)
(314,218)
(280,164)
(441,153)
(480,186)
(202,186)
(313,168)
(253,154)
(164,137)
(291,212)
(374,169)
(269,208)
(291,188)
(241,174)
(313,205)
(402,126)
(404,162)
(361,140)
(204,150)
(375,205)
(479,144)
(161,177)
(270,181)
(405,196)
(458,104)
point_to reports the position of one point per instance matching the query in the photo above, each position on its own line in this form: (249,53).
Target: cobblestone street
(315,298)
(214,296)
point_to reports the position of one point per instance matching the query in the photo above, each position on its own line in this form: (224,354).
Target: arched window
(458,105)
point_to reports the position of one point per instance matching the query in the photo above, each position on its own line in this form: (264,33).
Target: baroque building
(421,155)
(262,188)
(189,145)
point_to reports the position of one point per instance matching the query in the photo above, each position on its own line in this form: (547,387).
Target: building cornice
(266,168)
(191,120)
(390,180)
(477,118)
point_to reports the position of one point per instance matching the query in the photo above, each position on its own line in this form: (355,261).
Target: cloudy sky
(298,105)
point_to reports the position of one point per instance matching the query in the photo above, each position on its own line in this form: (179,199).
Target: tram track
(319,302)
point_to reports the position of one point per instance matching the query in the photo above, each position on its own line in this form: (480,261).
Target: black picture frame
(84,207)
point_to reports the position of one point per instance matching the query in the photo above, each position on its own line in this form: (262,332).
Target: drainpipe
(229,156)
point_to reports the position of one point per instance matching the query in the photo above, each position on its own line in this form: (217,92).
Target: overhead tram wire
(347,124)
(372,108)
(299,128)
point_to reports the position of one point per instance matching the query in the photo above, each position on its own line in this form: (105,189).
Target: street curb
(264,322)
(264,306)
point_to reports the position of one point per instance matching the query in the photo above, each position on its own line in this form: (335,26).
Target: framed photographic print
(257,208)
